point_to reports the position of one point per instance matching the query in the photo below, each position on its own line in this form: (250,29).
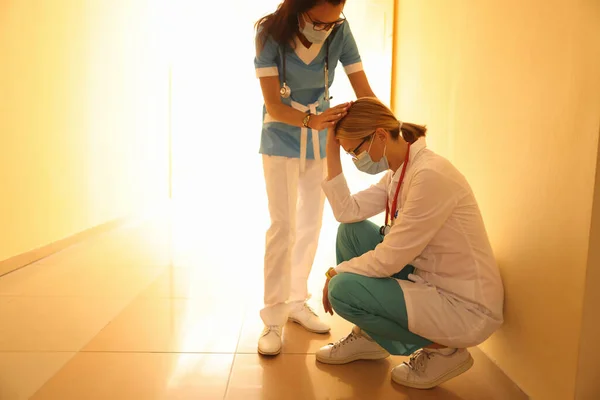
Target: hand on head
(329,117)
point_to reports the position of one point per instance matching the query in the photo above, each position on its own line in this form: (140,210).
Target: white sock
(295,306)
(445,352)
(361,332)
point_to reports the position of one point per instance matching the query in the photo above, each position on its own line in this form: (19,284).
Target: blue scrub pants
(376,305)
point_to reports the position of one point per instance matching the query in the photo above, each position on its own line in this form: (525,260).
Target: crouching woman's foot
(428,368)
(356,346)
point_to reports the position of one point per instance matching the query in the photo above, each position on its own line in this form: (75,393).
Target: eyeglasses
(325,26)
(353,152)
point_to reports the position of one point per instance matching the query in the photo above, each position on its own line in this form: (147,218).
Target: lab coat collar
(415,149)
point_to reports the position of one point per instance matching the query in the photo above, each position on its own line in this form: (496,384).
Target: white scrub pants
(296,203)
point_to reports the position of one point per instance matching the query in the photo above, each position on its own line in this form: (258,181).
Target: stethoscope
(389,217)
(285,90)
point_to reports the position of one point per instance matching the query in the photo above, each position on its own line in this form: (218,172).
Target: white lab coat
(455,297)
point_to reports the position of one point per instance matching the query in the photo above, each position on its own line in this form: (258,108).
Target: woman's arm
(348,208)
(352,63)
(275,108)
(361,85)
(332,149)
(288,115)
(431,199)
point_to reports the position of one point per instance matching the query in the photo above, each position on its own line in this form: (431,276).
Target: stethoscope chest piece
(384,230)
(285,91)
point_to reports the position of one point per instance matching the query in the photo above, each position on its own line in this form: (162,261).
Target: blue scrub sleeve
(350,54)
(265,61)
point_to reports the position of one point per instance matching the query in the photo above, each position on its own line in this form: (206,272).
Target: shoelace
(343,341)
(418,361)
(310,309)
(272,328)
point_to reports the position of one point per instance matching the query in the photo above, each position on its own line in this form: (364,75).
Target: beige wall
(588,377)
(510,91)
(83,116)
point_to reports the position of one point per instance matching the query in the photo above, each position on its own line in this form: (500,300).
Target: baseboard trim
(22,260)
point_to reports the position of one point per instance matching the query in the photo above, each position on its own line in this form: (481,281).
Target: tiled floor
(158,311)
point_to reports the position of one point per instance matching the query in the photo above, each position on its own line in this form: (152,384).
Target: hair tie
(400,130)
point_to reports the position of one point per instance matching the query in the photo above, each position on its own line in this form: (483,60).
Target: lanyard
(388,220)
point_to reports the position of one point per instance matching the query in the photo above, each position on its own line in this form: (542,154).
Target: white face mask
(365,163)
(313,36)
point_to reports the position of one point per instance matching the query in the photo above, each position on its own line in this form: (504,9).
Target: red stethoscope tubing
(388,221)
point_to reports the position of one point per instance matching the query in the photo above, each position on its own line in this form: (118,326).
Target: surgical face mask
(313,36)
(365,164)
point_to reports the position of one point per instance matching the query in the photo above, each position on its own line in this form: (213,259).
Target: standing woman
(297,50)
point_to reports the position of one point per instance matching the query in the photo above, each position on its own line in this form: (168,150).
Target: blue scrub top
(307,83)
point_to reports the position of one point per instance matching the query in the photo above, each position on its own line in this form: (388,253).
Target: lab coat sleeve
(430,201)
(348,208)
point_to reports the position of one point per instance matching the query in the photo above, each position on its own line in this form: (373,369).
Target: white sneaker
(269,343)
(356,346)
(304,315)
(429,368)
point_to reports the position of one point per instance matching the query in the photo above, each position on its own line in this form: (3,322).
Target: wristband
(328,273)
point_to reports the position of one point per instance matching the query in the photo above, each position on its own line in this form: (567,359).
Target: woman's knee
(342,285)
(281,229)
(346,232)
(342,232)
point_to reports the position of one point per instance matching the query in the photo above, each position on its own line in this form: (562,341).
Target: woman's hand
(326,303)
(329,117)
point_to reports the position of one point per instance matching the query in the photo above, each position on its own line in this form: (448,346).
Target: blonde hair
(367,114)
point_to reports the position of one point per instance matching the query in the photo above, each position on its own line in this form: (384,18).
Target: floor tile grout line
(158,352)
(81,349)
(237,346)
(144,352)
(41,386)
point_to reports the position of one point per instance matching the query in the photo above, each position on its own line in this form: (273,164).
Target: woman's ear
(382,134)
